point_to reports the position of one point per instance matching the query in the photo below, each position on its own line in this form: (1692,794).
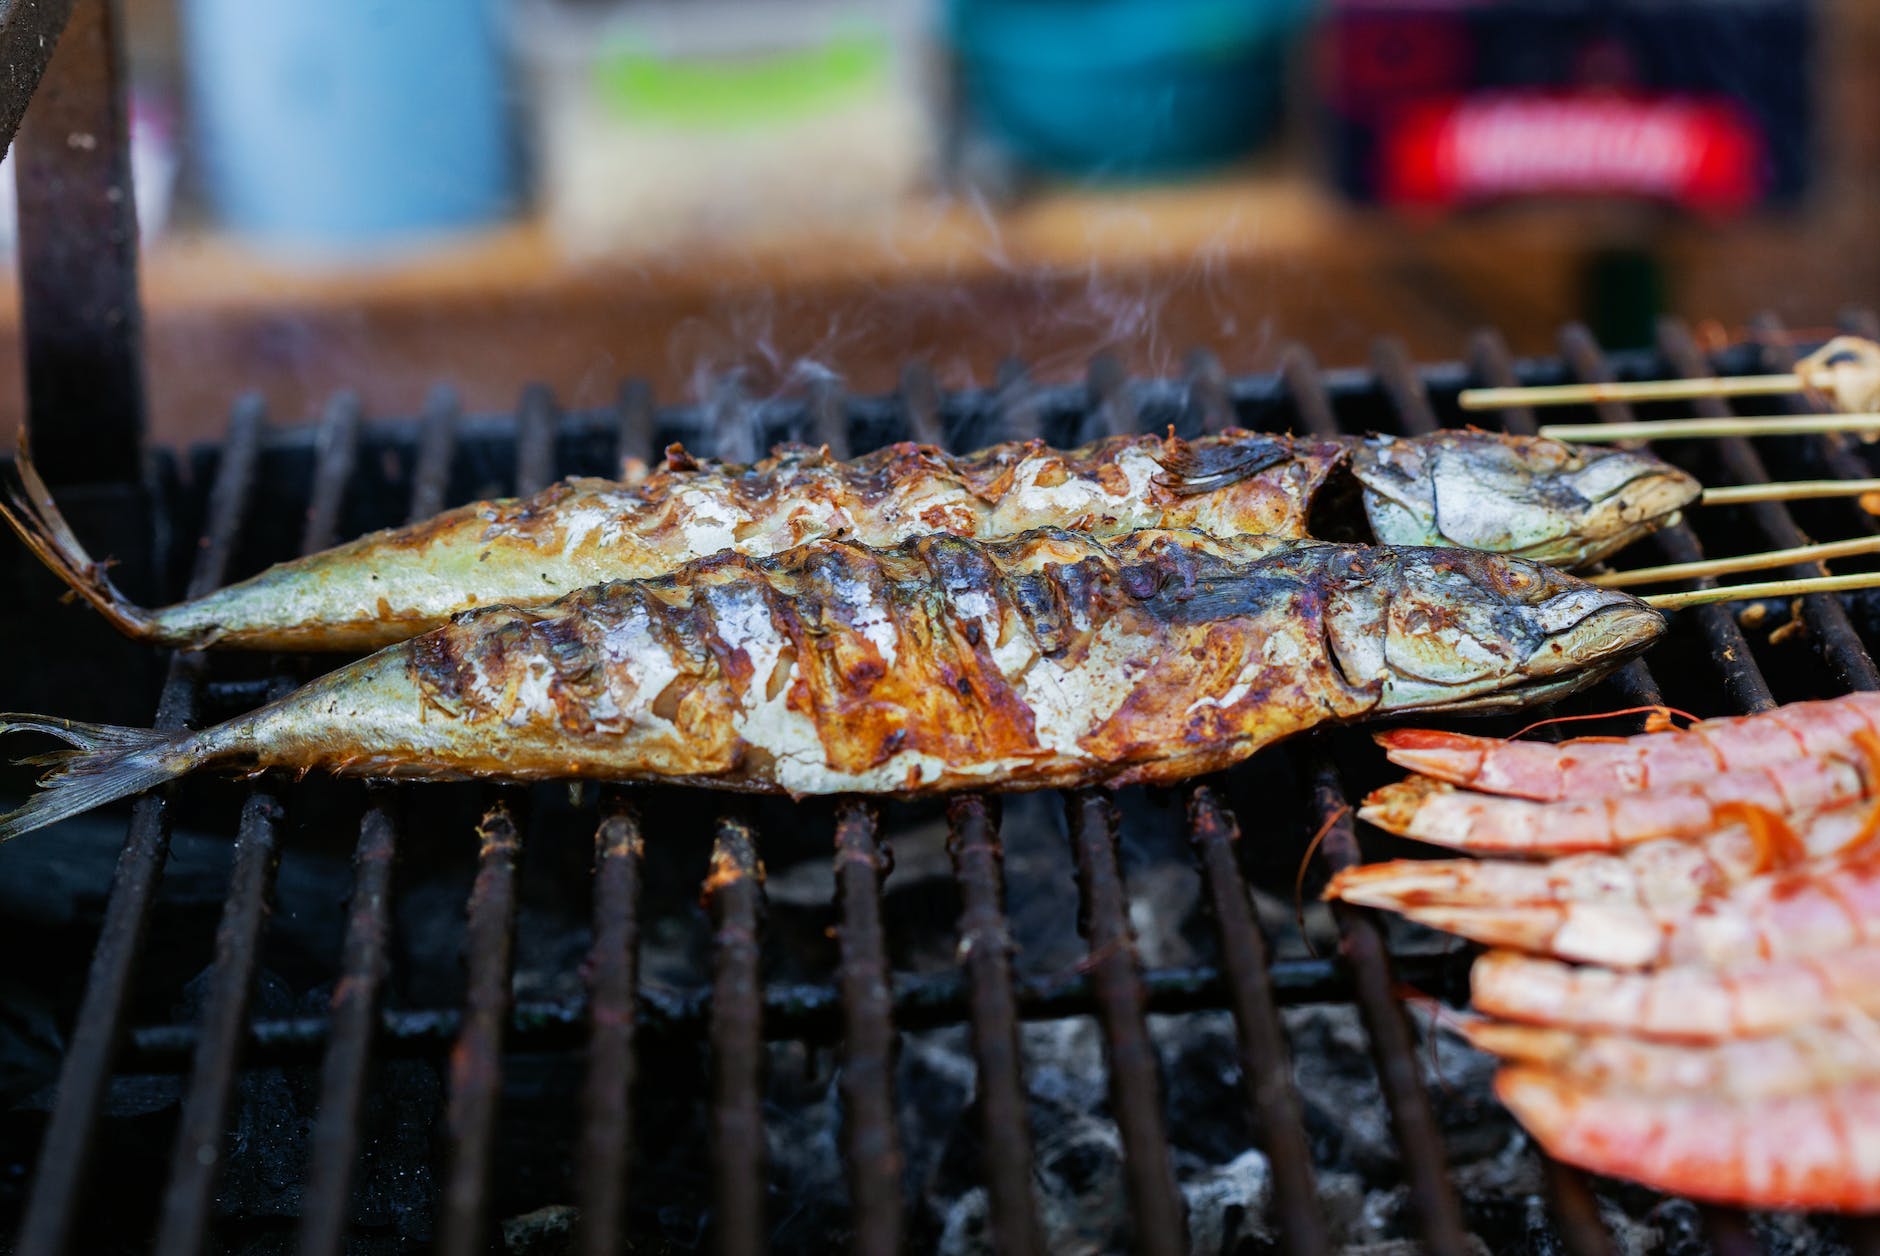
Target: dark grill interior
(386,1018)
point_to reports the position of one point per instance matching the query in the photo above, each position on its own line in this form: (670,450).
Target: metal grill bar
(1494,366)
(867,1083)
(920,401)
(986,953)
(195,1161)
(614,957)
(1111,411)
(437,445)
(59,1180)
(536,420)
(1265,1064)
(1299,375)
(732,420)
(1016,403)
(735,895)
(1392,1047)
(1135,1088)
(489,939)
(197,1156)
(806,1013)
(636,422)
(1741,677)
(829,417)
(476,1061)
(613,968)
(1575,1210)
(1207,392)
(1826,618)
(1729,1232)
(354,1012)
(1403,385)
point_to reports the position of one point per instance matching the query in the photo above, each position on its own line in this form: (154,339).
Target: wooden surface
(1238,265)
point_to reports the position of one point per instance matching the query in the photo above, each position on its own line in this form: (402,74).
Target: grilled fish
(1537,499)
(1051,659)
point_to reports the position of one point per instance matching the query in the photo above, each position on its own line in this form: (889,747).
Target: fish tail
(107,763)
(36,520)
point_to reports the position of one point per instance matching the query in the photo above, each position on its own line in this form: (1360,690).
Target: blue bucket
(350,124)
(1125,87)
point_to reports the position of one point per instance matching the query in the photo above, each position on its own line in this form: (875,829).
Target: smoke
(972,290)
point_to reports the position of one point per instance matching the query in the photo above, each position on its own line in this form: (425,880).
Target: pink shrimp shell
(1814,1150)
(1591,767)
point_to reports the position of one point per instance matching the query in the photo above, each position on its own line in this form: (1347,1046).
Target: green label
(734,93)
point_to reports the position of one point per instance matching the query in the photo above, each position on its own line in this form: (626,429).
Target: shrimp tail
(107,763)
(36,520)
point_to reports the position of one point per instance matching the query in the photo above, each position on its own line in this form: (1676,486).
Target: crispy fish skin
(1538,499)
(1049,660)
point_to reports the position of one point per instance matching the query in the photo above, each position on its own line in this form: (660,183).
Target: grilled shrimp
(1050,660)
(1666,876)
(1796,1061)
(1817,1149)
(1807,910)
(1687,1004)
(1590,767)
(1437,812)
(1520,496)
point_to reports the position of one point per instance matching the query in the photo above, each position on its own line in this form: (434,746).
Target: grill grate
(867,1003)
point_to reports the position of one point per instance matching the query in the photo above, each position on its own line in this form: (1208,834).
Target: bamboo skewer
(1788,491)
(1714,429)
(1765,589)
(1744,562)
(1845,372)
(1649,390)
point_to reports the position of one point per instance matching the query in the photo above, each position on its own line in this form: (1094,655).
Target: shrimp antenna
(1845,372)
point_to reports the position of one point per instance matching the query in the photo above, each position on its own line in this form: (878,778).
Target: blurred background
(382,194)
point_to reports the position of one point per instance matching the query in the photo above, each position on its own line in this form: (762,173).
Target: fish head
(1525,496)
(1459,630)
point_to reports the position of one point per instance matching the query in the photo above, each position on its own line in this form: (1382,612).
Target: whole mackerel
(1567,506)
(1052,659)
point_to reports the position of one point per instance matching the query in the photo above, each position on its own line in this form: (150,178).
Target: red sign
(1705,155)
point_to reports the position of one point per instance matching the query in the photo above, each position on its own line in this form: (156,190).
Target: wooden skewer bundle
(1844,374)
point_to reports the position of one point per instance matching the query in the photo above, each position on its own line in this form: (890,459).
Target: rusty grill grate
(732,1008)
(272,491)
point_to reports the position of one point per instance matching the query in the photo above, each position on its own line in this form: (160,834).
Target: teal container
(1125,88)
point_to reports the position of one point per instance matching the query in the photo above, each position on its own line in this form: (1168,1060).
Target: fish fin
(107,764)
(1190,469)
(36,520)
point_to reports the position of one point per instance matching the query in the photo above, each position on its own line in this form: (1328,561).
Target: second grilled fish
(1525,497)
(1052,659)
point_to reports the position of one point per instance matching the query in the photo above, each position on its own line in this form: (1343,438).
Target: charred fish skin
(1050,660)
(1547,501)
